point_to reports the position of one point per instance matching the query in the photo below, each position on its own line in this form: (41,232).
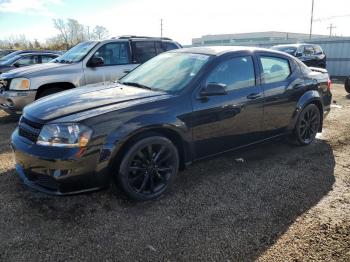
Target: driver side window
(235,73)
(114,53)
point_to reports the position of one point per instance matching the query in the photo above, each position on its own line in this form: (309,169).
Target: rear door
(223,122)
(142,51)
(282,87)
(117,59)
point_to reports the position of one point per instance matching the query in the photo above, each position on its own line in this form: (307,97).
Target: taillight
(329,83)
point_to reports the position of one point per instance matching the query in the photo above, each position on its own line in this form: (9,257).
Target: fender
(311,96)
(116,141)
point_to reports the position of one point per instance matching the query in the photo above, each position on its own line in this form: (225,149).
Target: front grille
(44,181)
(4,84)
(29,129)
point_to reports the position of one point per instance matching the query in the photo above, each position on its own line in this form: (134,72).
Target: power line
(329,18)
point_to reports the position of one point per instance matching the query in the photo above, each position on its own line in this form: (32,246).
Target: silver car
(86,63)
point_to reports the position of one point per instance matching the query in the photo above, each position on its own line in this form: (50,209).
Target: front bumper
(59,171)
(15,101)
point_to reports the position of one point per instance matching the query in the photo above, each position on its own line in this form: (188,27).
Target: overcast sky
(183,19)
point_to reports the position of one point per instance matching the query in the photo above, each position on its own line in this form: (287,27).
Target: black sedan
(309,54)
(177,108)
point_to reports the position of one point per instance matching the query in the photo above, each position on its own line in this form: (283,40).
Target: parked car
(26,59)
(86,63)
(177,108)
(309,54)
(19,52)
(6,52)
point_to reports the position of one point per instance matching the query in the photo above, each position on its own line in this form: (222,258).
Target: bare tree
(60,25)
(100,33)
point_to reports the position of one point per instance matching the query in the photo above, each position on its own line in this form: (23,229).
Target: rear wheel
(307,125)
(347,84)
(49,91)
(148,168)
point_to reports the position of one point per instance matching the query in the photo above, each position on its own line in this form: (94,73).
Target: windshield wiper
(135,84)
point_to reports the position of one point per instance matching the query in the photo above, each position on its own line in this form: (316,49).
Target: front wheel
(148,168)
(307,125)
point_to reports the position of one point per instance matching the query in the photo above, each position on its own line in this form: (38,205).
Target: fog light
(58,172)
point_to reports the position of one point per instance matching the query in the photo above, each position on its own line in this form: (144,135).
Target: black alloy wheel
(148,168)
(308,125)
(347,84)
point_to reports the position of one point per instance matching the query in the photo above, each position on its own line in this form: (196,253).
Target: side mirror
(299,54)
(96,61)
(17,65)
(127,71)
(214,89)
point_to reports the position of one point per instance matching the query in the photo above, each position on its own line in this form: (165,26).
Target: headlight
(64,135)
(20,84)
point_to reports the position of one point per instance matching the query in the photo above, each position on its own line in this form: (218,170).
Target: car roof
(220,50)
(138,38)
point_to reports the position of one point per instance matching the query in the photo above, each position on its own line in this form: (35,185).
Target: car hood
(87,98)
(4,68)
(27,71)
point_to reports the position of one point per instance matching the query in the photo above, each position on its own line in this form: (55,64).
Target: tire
(347,84)
(148,168)
(307,125)
(49,91)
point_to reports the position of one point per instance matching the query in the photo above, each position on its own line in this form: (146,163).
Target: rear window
(275,69)
(318,49)
(143,51)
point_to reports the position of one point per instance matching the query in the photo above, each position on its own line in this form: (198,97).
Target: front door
(117,60)
(223,122)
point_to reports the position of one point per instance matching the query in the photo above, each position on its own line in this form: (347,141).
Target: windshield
(169,72)
(76,53)
(287,49)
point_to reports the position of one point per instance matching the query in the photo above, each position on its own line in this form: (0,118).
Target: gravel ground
(282,203)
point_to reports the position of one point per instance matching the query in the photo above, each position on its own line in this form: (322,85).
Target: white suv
(86,63)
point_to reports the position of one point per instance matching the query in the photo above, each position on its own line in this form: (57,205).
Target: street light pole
(312,17)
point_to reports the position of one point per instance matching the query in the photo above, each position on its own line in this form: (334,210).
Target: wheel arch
(310,97)
(63,85)
(169,132)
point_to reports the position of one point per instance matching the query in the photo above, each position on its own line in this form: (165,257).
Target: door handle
(253,96)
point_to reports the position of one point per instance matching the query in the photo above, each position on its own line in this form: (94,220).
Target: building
(337,49)
(249,38)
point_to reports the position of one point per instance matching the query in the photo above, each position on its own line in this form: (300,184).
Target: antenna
(161,27)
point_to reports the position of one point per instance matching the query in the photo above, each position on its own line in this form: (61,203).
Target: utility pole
(161,27)
(312,17)
(331,27)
